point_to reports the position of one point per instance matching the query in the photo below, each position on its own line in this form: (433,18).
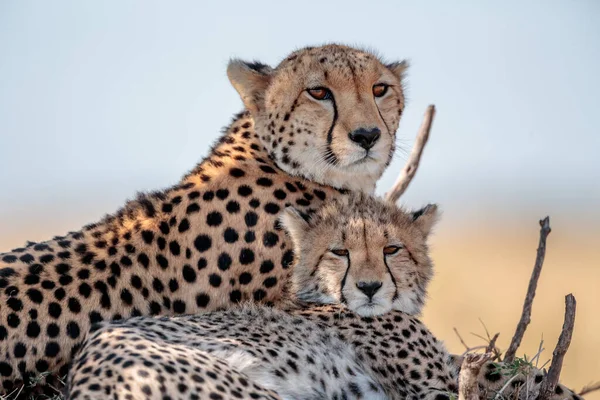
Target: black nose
(369,288)
(366,138)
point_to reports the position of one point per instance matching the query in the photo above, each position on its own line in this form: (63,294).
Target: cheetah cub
(365,254)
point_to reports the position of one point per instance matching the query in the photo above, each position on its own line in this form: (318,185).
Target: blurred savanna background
(99,100)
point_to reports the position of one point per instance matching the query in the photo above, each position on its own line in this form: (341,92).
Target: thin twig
(589,388)
(564,340)
(467,348)
(468,385)
(509,356)
(491,347)
(411,166)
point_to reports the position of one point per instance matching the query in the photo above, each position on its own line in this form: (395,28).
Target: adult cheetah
(320,124)
(362,256)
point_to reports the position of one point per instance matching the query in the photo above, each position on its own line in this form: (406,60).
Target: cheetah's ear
(294,222)
(426,218)
(251,80)
(399,69)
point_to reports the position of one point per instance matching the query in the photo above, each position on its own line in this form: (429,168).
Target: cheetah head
(328,114)
(363,252)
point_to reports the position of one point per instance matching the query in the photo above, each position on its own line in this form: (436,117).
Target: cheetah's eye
(320,93)
(380,89)
(340,252)
(389,250)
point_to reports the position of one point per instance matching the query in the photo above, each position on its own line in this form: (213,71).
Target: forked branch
(411,166)
(515,342)
(564,340)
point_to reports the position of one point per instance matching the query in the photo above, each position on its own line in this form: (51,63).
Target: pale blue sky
(101,99)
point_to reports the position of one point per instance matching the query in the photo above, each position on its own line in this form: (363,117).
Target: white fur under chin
(350,174)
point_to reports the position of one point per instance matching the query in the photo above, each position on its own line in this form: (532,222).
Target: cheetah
(320,344)
(318,126)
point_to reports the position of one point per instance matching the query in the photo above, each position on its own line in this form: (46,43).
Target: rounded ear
(294,222)
(251,80)
(426,218)
(399,69)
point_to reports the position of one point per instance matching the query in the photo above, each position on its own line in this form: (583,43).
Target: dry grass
(483,271)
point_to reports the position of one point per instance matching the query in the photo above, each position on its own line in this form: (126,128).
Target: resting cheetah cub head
(363,252)
(329,113)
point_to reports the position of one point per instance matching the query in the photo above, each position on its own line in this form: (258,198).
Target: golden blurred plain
(483,270)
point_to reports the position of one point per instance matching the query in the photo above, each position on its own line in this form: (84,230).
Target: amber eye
(320,93)
(389,250)
(340,252)
(380,89)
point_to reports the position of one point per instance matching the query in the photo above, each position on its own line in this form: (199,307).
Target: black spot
(266,182)
(174,247)
(236,172)
(266,266)
(272,208)
(54,310)
(233,207)
(279,194)
(157,285)
(189,274)
(214,219)
(235,296)
(173,285)
(5,368)
(192,208)
(244,190)
(202,263)
(144,260)
(52,349)
(267,169)
(46,258)
(73,330)
(74,305)
(162,261)
(246,256)
(184,225)
(15,304)
(126,261)
(254,203)
(259,294)
(287,259)
(214,280)
(126,296)
(270,239)
(13,320)
(20,350)
(33,330)
(202,243)
(85,290)
(270,282)
(245,278)
(202,300)
(179,307)
(224,261)
(136,281)
(95,317)
(230,235)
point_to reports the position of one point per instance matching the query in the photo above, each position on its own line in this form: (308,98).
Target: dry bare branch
(468,386)
(411,166)
(589,388)
(509,356)
(467,348)
(564,340)
(491,347)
